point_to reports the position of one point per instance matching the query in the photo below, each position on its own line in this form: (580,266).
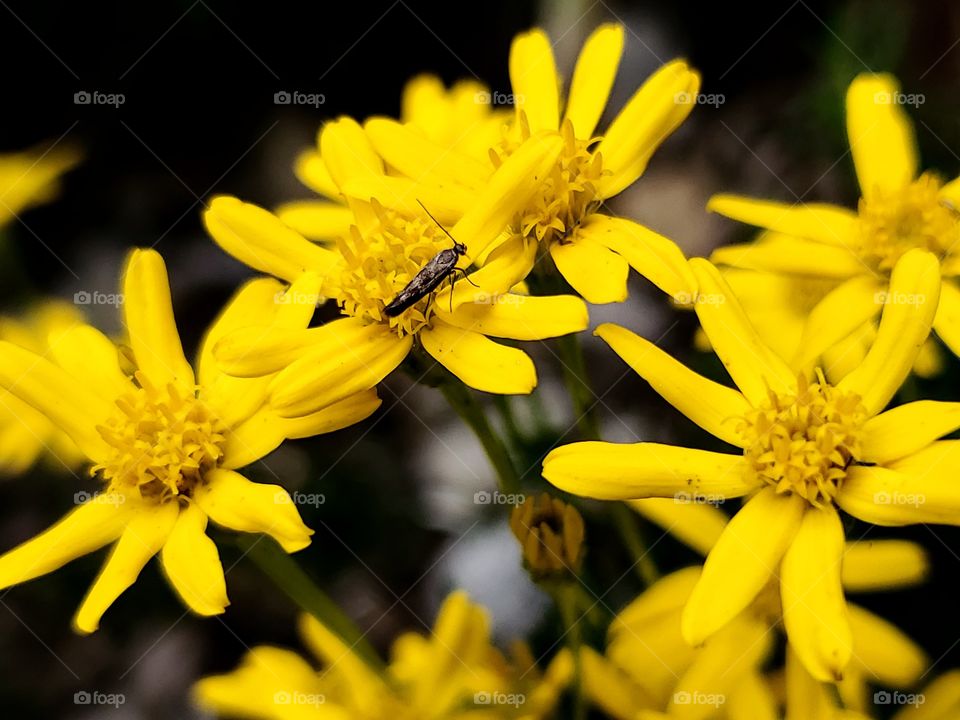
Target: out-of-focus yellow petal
(667,595)
(533,77)
(519,317)
(230,500)
(753,366)
(752,699)
(911,304)
(919,489)
(347,151)
(941,700)
(609,471)
(827,224)
(870,565)
(478,361)
(599,275)
(145,533)
(806,698)
(192,564)
(609,688)
(814,609)
(259,239)
(696,524)
(337,655)
(593,77)
(907,428)
(884,651)
(745,559)
(881,135)
(792,255)
(92,359)
(445,200)
(316,220)
(947,320)
(714,407)
(312,171)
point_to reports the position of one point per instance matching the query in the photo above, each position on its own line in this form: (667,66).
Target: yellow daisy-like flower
(25,434)
(454,673)
(31,177)
(384,250)
(900,209)
(806,448)
(166,442)
(592,250)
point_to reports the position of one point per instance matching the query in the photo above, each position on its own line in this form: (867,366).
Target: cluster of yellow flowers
(457,226)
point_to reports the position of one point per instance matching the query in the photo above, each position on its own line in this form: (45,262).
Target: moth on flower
(166,441)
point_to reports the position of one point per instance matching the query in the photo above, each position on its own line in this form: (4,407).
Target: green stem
(463,400)
(287,575)
(566,598)
(578,385)
(505,410)
(626,523)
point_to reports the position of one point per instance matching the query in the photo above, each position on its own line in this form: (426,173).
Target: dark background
(399,521)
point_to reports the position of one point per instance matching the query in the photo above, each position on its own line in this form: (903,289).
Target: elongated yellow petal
(746,558)
(827,224)
(593,77)
(908,428)
(192,564)
(714,407)
(656,109)
(609,471)
(668,594)
(657,258)
(752,699)
(519,317)
(753,366)
(312,171)
(68,404)
(599,275)
(145,533)
(230,500)
(506,265)
(609,688)
(445,200)
(315,220)
(814,609)
(922,488)
(911,304)
(696,524)
(92,359)
(328,647)
(947,320)
(259,239)
(347,151)
(881,135)
(792,255)
(941,700)
(533,77)
(805,696)
(883,564)
(884,651)
(840,313)
(478,361)
(89,527)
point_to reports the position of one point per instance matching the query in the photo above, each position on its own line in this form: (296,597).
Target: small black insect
(440,267)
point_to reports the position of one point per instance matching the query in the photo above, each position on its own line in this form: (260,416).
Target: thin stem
(578,385)
(626,522)
(566,598)
(287,575)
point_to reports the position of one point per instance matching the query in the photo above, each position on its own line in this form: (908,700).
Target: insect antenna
(445,232)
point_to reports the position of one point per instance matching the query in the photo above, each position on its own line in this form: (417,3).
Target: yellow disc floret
(163,442)
(804,442)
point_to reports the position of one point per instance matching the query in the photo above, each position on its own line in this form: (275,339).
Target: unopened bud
(550,532)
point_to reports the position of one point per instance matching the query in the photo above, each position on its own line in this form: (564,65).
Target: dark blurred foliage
(199,118)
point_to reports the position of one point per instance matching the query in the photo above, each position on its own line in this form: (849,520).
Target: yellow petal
(69,405)
(884,651)
(752,699)
(883,564)
(805,697)
(941,700)
(911,304)
(920,489)
(347,151)
(148,318)
(656,109)
(745,559)
(445,200)
(907,428)
(336,654)
(608,471)
(505,266)
(827,224)
(519,317)
(790,255)
(259,239)
(192,564)
(533,77)
(753,366)
(96,523)
(714,407)
(657,258)
(947,320)
(312,171)
(668,594)
(696,524)
(230,500)
(881,135)
(814,608)
(145,533)
(91,358)
(478,361)
(316,220)
(599,275)
(609,688)
(593,77)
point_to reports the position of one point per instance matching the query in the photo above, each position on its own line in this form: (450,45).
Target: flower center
(380,262)
(569,191)
(891,223)
(803,443)
(163,442)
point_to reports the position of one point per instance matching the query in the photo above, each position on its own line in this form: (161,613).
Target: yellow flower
(806,447)
(31,177)
(370,265)
(454,673)
(592,250)
(25,434)
(900,209)
(165,442)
